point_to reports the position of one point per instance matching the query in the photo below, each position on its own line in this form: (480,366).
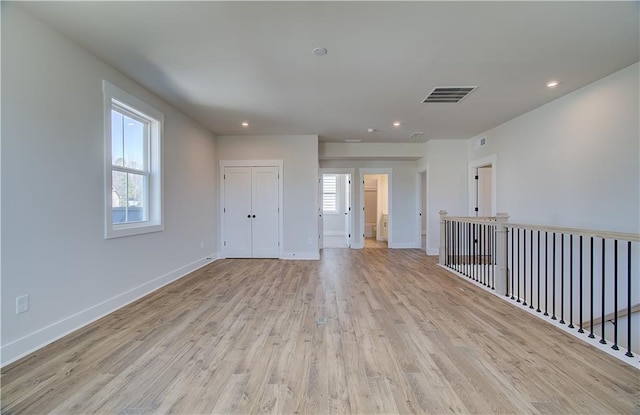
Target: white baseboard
(301,255)
(36,340)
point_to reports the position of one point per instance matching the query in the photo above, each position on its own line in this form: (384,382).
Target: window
(133,144)
(330,193)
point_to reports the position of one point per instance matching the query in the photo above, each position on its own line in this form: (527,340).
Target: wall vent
(449,94)
(482,141)
(416,135)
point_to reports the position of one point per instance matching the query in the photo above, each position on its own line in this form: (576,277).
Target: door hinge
(477,177)
(349,181)
(224,177)
(278,243)
(476,209)
(349,235)
(225,243)
(349,208)
(363,235)
(224,210)
(278,210)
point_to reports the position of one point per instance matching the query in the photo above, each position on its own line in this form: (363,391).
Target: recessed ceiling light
(552,84)
(245,124)
(396,124)
(319,51)
(371,130)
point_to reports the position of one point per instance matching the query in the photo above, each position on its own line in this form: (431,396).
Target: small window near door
(330,193)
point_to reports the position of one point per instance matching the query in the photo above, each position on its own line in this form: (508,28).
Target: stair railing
(576,277)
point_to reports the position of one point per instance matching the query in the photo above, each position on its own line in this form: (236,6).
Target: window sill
(119,231)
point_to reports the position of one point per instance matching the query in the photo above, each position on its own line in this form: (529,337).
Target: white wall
(574,162)
(300,157)
(53,245)
(403,198)
(446,161)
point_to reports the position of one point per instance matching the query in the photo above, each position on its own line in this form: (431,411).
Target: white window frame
(154,221)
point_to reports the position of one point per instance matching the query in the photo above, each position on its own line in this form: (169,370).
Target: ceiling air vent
(416,135)
(449,94)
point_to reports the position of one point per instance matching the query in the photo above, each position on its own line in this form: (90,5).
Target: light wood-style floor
(360,331)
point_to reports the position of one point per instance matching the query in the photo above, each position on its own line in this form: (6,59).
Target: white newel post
(443,249)
(501,282)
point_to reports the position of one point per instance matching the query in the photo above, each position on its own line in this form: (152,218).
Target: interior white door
(237,212)
(264,215)
(485,190)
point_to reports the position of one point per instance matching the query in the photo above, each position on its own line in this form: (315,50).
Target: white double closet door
(251,212)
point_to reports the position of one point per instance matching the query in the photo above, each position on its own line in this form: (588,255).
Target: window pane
(136,202)
(117,156)
(135,133)
(118,196)
(128,197)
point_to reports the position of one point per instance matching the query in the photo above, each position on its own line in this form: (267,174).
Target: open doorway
(335,227)
(376,210)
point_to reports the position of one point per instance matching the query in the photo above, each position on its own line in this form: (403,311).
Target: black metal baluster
(538,308)
(493,268)
(513,253)
(470,251)
(604,323)
(553,279)
(531,272)
(518,280)
(562,278)
(546,273)
(473,253)
(571,282)
(580,330)
(629,354)
(615,295)
(485,273)
(591,335)
(524,267)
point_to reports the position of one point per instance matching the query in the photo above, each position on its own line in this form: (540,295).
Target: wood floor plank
(360,331)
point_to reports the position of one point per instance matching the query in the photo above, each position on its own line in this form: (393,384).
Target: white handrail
(633,237)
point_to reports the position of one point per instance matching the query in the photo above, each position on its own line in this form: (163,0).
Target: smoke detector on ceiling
(449,94)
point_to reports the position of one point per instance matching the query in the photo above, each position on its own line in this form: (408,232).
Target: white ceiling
(228,62)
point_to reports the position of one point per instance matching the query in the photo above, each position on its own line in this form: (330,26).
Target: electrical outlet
(22,304)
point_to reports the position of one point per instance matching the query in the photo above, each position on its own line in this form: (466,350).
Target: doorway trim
(253,163)
(361,173)
(492,161)
(335,170)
